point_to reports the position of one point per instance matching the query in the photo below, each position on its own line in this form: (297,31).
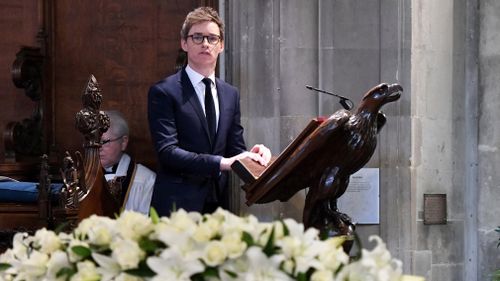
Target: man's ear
(184,44)
(221,46)
(124,143)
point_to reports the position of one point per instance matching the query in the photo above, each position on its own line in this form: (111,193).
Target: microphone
(345,102)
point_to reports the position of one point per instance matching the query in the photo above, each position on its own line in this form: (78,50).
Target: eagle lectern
(322,158)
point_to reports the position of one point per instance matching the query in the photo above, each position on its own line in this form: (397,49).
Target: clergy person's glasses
(104,142)
(199,38)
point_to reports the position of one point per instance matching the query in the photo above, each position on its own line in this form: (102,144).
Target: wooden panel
(128,45)
(19,24)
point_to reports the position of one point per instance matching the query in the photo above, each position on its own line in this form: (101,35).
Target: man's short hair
(199,15)
(118,125)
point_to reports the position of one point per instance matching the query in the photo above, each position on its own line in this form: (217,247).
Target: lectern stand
(322,158)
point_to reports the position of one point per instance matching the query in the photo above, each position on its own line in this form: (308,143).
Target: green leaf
(150,246)
(211,272)
(142,271)
(155,218)
(230,273)
(269,247)
(4,266)
(496,275)
(247,238)
(68,271)
(286,231)
(82,251)
(301,276)
(61,227)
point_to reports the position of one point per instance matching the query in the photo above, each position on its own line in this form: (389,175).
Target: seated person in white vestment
(136,180)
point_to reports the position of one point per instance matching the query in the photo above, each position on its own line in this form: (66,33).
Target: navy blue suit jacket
(180,134)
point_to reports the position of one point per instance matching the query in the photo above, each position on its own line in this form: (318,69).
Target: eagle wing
(293,174)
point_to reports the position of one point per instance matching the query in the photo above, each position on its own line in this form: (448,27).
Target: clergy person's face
(112,148)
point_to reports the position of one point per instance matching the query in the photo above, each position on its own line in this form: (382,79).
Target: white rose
(291,246)
(322,275)
(203,233)
(83,227)
(235,247)
(183,222)
(133,225)
(100,235)
(92,228)
(47,240)
(214,253)
(332,254)
(127,253)
(86,271)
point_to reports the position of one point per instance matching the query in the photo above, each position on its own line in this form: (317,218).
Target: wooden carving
(92,123)
(73,186)
(24,138)
(322,158)
(44,189)
(85,191)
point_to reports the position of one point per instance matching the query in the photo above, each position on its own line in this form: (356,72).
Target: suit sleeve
(162,124)
(235,140)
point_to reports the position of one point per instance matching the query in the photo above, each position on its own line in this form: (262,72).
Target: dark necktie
(209,108)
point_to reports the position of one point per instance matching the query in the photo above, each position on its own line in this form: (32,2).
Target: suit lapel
(190,94)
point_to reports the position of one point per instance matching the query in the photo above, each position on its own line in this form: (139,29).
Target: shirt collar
(195,77)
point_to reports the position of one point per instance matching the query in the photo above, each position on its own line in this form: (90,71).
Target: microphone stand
(345,102)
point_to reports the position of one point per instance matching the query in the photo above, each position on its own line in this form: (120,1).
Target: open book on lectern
(257,177)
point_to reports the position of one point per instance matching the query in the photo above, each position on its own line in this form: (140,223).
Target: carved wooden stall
(84,190)
(322,158)
(23,138)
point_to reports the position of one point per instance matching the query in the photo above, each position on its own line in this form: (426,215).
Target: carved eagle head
(379,95)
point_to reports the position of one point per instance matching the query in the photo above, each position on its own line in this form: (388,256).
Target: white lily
(171,265)
(108,267)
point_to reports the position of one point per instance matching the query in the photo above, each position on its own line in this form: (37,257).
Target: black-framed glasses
(103,142)
(199,38)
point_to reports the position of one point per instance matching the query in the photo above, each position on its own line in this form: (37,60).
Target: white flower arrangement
(190,246)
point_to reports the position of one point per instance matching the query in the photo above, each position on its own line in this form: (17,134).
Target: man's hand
(258,153)
(264,152)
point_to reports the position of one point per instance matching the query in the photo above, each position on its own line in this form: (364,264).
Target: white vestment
(141,185)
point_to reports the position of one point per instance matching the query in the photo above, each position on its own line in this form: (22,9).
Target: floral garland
(190,246)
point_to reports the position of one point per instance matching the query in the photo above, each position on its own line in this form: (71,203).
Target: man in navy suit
(194,119)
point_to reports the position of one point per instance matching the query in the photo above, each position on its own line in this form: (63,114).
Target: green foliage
(210,273)
(155,218)
(142,270)
(269,247)
(82,251)
(247,238)
(150,246)
(496,275)
(66,271)
(4,266)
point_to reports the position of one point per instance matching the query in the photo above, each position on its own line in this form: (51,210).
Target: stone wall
(489,137)
(441,137)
